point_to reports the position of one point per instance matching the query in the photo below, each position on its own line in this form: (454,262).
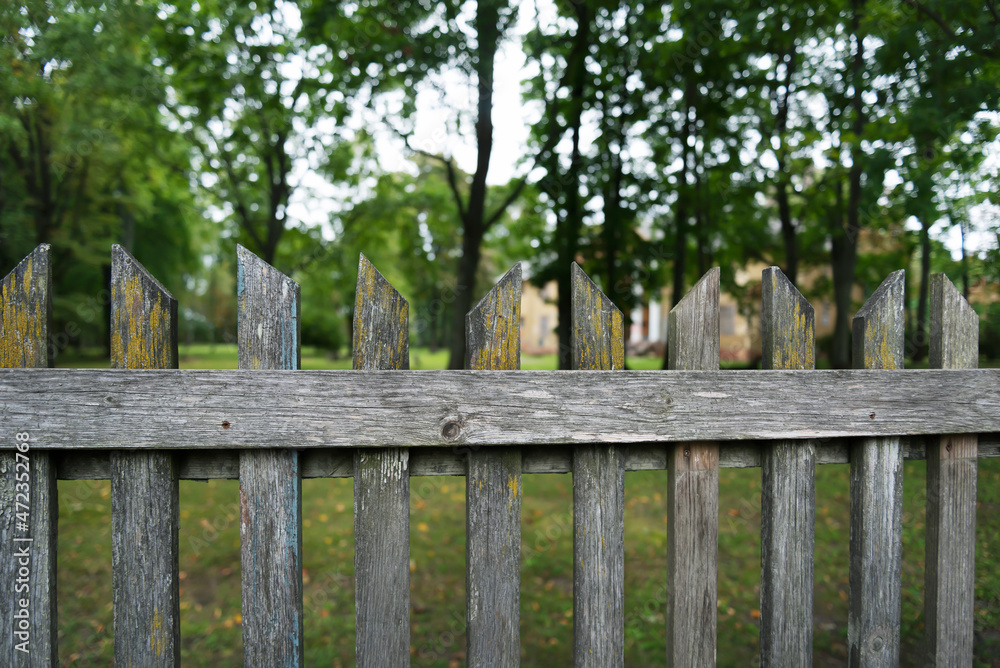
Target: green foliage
(989,331)
(85,159)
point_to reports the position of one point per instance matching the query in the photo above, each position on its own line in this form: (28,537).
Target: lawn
(210,561)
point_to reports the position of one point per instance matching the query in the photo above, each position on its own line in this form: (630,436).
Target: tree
(85,158)
(397,47)
(945,75)
(239,94)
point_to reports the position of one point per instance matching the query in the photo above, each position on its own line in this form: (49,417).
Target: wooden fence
(148,427)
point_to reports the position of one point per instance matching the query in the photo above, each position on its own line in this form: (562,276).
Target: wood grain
(788,497)
(693,491)
(145,511)
(598,342)
(950,559)
(270,479)
(186,409)
(873,626)
(493,493)
(25,314)
(381,488)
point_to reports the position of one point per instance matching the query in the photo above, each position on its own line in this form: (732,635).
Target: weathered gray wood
(381,488)
(954,327)
(788,496)
(145,511)
(493,492)
(693,327)
(598,342)
(950,575)
(693,491)
(29,478)
(873,626)
(270,479)
(187,409)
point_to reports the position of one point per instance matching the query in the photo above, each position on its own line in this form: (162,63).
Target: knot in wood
(225,424)
(451,429)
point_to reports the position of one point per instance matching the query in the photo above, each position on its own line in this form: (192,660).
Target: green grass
(210,562)
(224,356)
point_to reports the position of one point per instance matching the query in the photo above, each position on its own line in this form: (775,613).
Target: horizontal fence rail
(194,409)
(144,425)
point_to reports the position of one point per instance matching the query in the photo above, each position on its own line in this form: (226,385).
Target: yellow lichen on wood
(617,341)
(788,323)
(878,353)
(140,333)
(598,326)
(23,316)
(502,345)
(795,349)
(157,636)
(381,322)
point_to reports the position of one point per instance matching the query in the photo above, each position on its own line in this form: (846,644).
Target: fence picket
(693,491)
(788,496)
(493,493)
(381,487)
(949,578)
(270,479)
(25,313)
(145,512)
(598,342)
(873,625)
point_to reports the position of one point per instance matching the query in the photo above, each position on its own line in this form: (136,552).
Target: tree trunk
(844,251)
(618,291)
(921,339)
(681,213)
(569,234)
(843,260)
(965,263)
(788,232)
(464,291)
(487,25)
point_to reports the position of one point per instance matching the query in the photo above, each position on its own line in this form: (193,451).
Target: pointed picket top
(598,340)
(878,326)
(268,310)
(25,309)
(788,324)
(693,327)
(954,327)
(143,317)
(493,327)
(381,322)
